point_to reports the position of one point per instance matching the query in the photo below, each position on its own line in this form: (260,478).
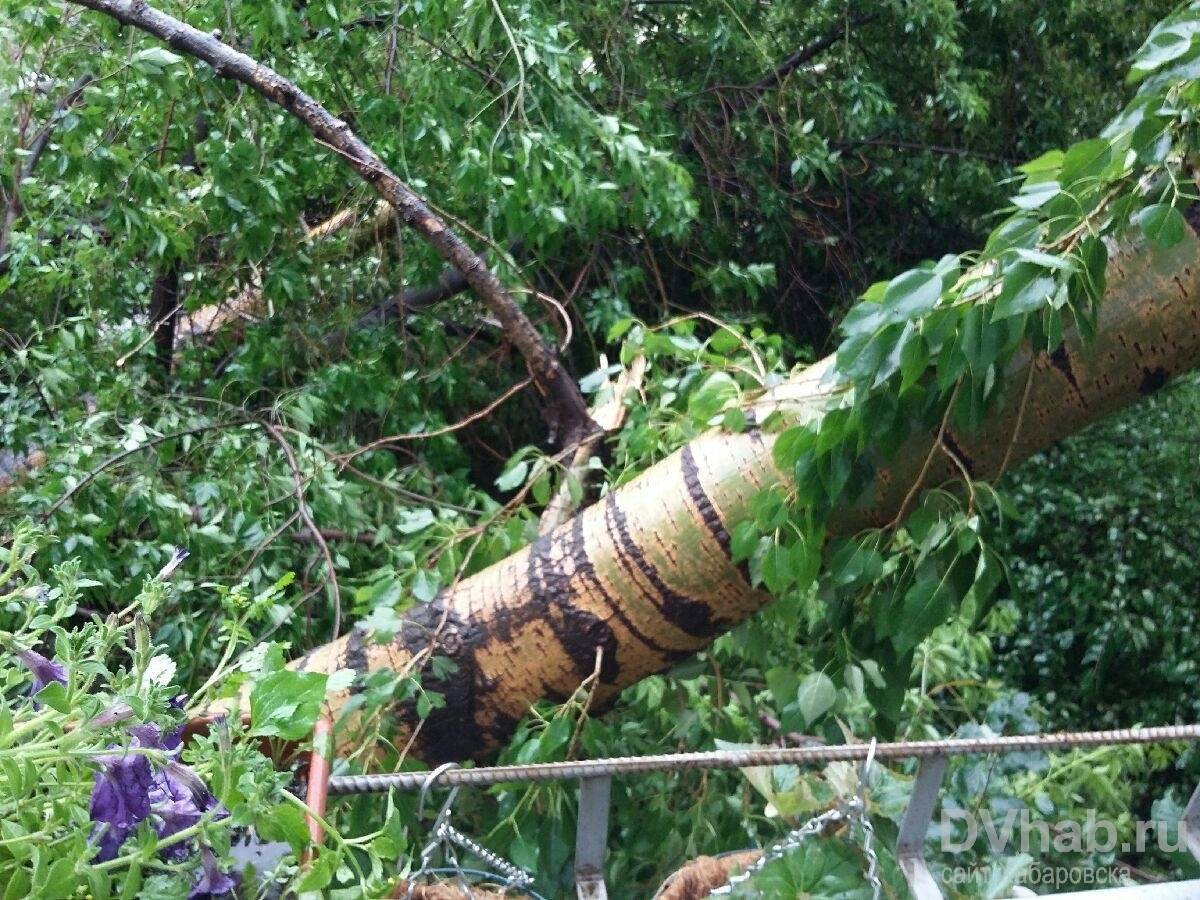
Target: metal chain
(863,817)
(849,812)
(780,849)
(513,876)
(868,847)
(446,836)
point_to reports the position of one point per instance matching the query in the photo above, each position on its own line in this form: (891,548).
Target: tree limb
(566,409)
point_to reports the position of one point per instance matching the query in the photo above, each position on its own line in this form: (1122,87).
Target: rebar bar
(773,756)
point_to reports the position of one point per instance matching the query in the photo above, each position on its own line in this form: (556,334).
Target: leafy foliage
(618,183)
(1103,569)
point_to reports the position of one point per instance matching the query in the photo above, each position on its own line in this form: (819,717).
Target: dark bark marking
(1061,360)
(691,616)
(709,514)
(1152,380)
(579,631)
(1191,215)
(357,656)
(452,732)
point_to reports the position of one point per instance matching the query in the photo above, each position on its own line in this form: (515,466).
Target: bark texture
(645,577)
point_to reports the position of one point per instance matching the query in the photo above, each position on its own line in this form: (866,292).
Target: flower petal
(44,670)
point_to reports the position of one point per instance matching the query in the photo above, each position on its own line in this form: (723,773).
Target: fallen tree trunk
(645,577)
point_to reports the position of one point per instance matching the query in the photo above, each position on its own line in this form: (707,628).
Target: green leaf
(914,361)
(60,880)
(287,704)
(1027,288)
(1035,196)
(1164,45)
(319,873)
(1151,142)
(1049,162)
(815,696)
(410,520)
(714,394)
(54,695)
(1047,260)
(1085,161)
(910,295)
(284,823)
(790,445)
(806,560)
(770,510)
(1093,254)
(153,60)
(925,606)
(745,541)
(776,569)
(514,476)
(783,683)
(1018,231)
(1162,223)
(425,586)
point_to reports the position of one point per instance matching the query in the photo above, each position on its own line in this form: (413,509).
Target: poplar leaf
(815,696)
(1162,223)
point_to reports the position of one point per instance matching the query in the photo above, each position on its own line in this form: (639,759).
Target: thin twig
(302,508)
(436,432)
(124,454)
(920,479)
(1016,432)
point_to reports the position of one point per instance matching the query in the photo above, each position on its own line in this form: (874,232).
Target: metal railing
(595,780)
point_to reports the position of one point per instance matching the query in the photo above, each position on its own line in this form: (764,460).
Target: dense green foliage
(617,185)
(1103,567)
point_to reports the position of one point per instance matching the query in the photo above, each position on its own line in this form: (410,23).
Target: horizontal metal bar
(737,759)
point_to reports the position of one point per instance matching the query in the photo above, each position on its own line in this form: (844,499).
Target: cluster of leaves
(1102,567)
(927,352)
(95,722)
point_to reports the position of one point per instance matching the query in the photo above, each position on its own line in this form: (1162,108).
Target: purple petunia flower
(173,563)
(178,800)
(44,670)
(213,882)
(120,799)
(129,790)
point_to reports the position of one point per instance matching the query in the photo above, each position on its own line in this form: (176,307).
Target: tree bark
(645,577)
(566,408)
